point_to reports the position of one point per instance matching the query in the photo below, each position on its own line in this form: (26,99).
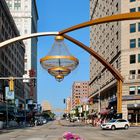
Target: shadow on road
(72,125)
(3,132)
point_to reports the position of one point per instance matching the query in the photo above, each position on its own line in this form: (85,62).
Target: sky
(57,15)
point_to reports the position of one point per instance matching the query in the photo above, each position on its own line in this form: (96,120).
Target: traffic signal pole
(16,78)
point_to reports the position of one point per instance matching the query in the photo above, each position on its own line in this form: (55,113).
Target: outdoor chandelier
(59,62)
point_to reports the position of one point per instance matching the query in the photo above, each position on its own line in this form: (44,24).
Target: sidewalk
(9,129)
(135,125)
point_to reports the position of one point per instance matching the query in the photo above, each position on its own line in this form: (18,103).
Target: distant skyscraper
(80,92)
(25,15)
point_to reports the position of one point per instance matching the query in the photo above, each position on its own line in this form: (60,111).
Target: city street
(54,130)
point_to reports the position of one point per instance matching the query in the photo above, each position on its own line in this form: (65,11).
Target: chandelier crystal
(59,62)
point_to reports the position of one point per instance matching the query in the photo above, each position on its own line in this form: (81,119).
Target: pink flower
(69,136)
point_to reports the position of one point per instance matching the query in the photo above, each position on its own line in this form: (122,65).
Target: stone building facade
(119,44)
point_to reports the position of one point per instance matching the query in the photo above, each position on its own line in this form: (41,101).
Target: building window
(132,43)
(138,88)
(117,8)
(9,3)
(117,64)
(132,90)
(138,9)
(132,72)
(132,28)
(132,0)
(138,58)
(17,4)
(138,71)
(132,10)
(139,26)
(117,49)
(117,35)
(132,59)
(139,42)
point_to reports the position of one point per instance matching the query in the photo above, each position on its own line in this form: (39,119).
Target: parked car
(73,119)
(44,121)
(116,123)
(38,120)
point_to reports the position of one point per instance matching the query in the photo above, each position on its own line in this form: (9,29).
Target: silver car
(116,123)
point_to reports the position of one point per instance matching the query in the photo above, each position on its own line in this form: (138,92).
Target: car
(73,119)
(67,119)
(116,123)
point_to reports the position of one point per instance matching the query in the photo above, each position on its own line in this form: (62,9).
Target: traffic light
(11,85)
(34,82)
(64,101)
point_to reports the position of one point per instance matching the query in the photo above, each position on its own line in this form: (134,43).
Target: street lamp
(59,62)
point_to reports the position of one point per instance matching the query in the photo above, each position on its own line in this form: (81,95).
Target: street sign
(16,102)
(26,78)
(9,95)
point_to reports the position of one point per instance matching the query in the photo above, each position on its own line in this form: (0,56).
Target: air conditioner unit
(132,76)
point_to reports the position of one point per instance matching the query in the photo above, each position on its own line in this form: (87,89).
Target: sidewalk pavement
(10,129)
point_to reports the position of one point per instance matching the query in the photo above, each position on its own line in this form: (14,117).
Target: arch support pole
(119,96)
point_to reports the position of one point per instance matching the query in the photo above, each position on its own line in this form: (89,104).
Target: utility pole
(99,101)
(7,117)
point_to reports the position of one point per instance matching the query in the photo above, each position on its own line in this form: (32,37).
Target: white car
(116,123)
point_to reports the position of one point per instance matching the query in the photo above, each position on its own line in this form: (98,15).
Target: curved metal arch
(118,17)
(19,38)
(96,55)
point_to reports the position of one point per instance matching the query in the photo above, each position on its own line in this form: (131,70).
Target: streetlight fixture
(59,62)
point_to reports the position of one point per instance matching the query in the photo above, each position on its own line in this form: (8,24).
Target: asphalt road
(54,131)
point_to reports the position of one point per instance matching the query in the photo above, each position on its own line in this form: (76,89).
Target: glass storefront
(134,115)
